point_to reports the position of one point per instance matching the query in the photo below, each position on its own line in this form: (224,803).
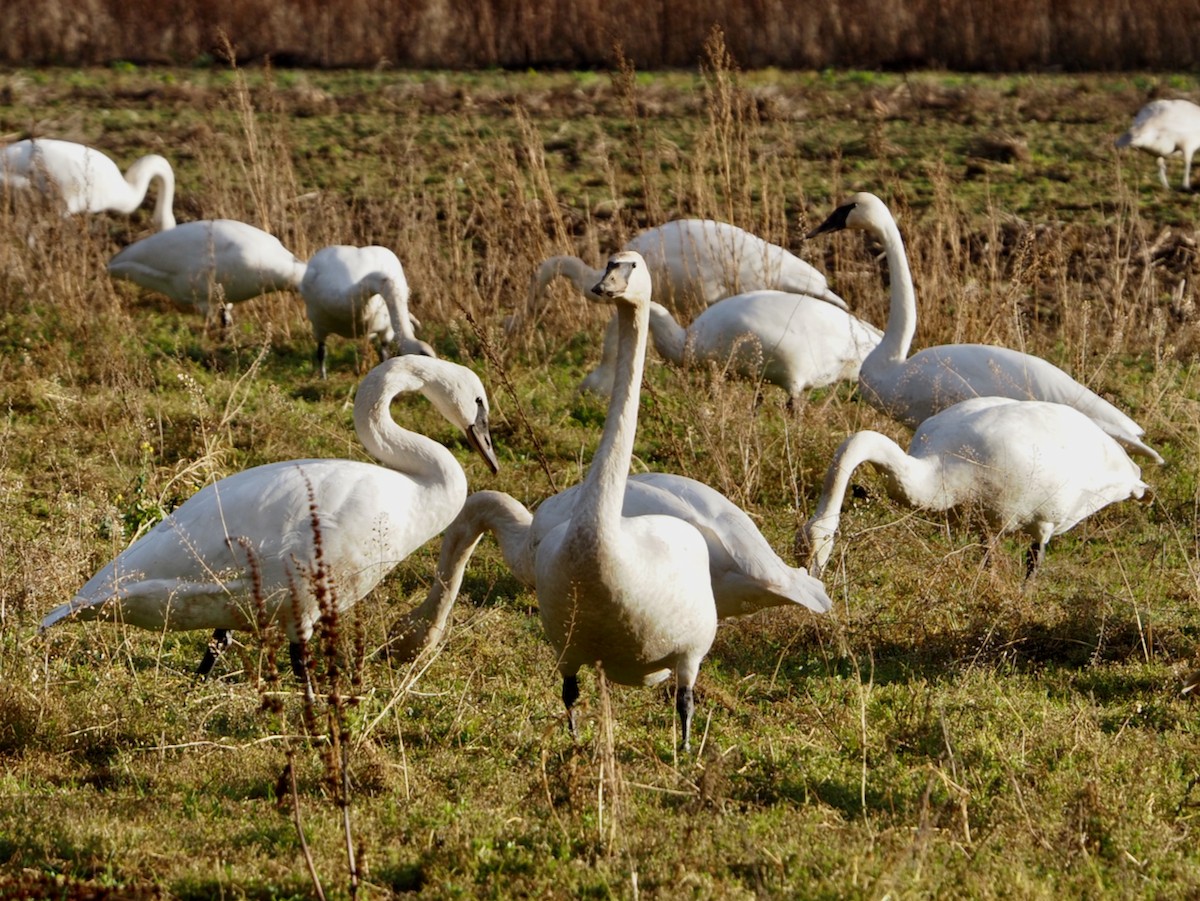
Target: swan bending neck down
(1025,466)
(911,389)
(745,572)
(631,595)
(288,542)
(86,180)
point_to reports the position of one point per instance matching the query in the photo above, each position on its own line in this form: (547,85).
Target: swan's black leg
(1034,557)
(685,705)
(570,694)
(296,656)
(321,358)
(221,639)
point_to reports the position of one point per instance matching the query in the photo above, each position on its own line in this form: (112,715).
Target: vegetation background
(948,731)
(1006,36)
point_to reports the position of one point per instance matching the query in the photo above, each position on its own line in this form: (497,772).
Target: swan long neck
(602,493)
(395,298)
(902,310)
(909,480)
(139,176)
(397,448)
(582,276)
(670,338)
(508,520)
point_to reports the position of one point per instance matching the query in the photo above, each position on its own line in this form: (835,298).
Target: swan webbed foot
(221,639)
(685,705)
(570,694)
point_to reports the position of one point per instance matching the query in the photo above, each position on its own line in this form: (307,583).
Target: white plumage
(210,263)
(1164,128)
(911,389)
(356,292)
(791,340)
(1025,466)
(693,264)
(196,568)
(85,180)
(746,574)
(632,594)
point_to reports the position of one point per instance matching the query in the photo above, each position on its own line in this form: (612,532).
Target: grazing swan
(746,573)
(1027,466)
(210,263)
(1166,127)
(356,291)
(693,264)
(251,538)
(911,389)
(85,180)
(631,594)
(791,340)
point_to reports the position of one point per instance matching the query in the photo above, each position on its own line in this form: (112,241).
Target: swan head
(814,544)
(862,211)
(626,280)
(458,394)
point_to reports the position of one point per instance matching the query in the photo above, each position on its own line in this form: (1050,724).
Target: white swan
(1026,466)
(911,389)
(791,340)
(631,594)
(1166,127)
(693,264)
(746,574)
(356,291)
(85,180)
(210,263)
(249,539)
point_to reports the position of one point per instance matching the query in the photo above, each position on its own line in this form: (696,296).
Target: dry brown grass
(1014,35)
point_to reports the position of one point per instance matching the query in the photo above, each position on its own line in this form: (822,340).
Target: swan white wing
(369,518)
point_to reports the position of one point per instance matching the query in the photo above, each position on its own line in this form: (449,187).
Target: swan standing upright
(86,180)
(911,389)
(357,291)
(791,340)
(693,264)
(745,572)
(1027,466)
(1164,128)
(631,594)
(250,541)
(210,262)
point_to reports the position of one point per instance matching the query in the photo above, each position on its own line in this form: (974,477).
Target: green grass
(947,731)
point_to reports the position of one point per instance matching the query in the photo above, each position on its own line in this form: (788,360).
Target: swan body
(1028,466)
(197,569)
(356,291)
(911,389)
(745,572)
(631,594)
(86,180)
(791,340)
(1166,127)
(693,264)
(210,262)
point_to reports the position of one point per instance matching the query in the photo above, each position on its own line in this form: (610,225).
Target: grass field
(948,731)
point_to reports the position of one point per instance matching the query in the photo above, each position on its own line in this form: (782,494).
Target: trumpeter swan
(356,291)
(791,340)
(1028,466)
(746,574)
(911,389)
(250,539)
(1166,127)
(86,180)
(693,264)
(210,263)
(631,594)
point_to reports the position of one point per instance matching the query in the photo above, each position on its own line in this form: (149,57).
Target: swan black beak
(836,221)
(616,279)
(480,439)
